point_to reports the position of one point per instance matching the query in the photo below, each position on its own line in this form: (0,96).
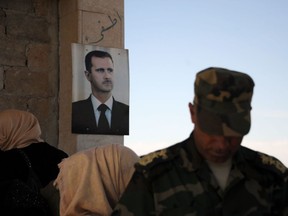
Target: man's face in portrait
(101,74)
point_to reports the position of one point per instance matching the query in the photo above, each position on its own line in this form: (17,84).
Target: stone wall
(35,59)
(29,61)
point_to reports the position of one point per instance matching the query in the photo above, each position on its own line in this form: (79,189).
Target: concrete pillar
(83,21)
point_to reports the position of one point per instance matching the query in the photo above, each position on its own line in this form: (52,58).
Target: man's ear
(87,75)
(192,109)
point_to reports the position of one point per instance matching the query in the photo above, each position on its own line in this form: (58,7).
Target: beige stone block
(102,6)
(20,81)
(45,109)
(46,9)
(67,7)
(1,78)
(38,57)
(18,5)
(90,141)
(103,29)
(69,32)
(25,27)
(12,52)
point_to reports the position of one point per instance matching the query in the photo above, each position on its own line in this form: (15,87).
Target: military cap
(223,99)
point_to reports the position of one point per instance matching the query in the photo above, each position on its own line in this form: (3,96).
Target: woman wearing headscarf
(21,130)
(91,182)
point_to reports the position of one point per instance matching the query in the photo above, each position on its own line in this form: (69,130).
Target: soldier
(210,173)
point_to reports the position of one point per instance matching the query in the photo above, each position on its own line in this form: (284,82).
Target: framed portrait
(100,76)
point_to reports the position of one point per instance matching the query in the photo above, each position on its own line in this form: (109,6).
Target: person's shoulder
(80,102)
(158,160)
(121,104)
(265,162)
(45,148)
(153,158)
(271,163)
(81,106)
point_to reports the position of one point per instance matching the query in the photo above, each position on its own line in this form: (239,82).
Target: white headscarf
(18,129)
(91,182)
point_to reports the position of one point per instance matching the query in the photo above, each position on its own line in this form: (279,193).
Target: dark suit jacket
(84,121)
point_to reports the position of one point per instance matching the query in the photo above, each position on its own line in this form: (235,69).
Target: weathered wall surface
(35,59)
(29,61)
(97,22)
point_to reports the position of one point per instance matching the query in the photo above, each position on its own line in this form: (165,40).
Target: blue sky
(170,40)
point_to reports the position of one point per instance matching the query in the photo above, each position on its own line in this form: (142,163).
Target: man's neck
(102,96)
(221,171)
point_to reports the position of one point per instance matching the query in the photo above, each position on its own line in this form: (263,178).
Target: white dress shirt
(108,113)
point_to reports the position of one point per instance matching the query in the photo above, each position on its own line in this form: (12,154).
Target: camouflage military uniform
(176,181)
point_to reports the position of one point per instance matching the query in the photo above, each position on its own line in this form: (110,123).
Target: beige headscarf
(91,182)
(18,129)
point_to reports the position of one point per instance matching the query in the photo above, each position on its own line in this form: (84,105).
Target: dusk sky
(169,41)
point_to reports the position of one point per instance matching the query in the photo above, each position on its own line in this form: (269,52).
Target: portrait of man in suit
(100,112)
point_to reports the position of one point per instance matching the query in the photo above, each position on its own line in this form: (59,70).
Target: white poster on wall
(100,76)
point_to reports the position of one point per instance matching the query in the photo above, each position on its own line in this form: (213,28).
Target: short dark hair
(95,53)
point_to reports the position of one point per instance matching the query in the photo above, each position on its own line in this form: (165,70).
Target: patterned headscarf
(18,129)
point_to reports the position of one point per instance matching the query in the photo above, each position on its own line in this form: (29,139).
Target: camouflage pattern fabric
(224,100)
(176,181)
